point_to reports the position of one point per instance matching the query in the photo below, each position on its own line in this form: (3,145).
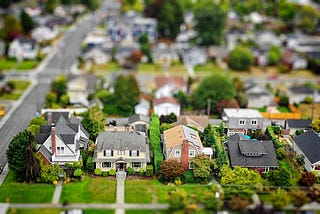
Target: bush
(131,171)
(281,153)
(112,172)
(98,171)
(149,171)
(188,177)
(105,174)
(77,173)
(141,172)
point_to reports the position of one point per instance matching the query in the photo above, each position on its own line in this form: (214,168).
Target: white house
(166,106)
(168,86)
(142,108)
(23,48)
(44,33)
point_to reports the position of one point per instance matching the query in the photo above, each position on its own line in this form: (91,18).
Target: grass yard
(20,84)
(33,211)
(19,87)
(152,191)
(11,96)
(7,64)
(16,192)
(146,211)
(98,211)
(91,190)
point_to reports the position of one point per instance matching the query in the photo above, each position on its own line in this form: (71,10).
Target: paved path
(57,192)
(121,176)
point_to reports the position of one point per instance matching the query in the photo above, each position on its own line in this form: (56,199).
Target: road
(61,60)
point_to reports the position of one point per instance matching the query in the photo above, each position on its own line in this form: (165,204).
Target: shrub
(308,179)
(170,170)
(131,171)
(279,199)
(141,172)
(281,153)
(188,177)
(299,197)
(237,203)
(77,173)
(112,172)
(98,171)
(149,171)
(105,174)
(50,173)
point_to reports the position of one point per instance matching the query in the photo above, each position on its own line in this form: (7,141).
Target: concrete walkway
(57,192)
(121,176)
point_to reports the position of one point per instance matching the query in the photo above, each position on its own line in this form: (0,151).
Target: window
(136,164)
(254,122)
(106,164)
(190,165)
(121,152)
(60,150)
(192,153)
(108,153)
(134,153)
(242,122)
(177,153)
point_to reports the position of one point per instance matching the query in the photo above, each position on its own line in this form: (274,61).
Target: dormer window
(134,153)
(108,153)
(254,122)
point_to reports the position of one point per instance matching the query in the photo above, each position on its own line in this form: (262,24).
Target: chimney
(185,155)
(49,118)
(53,140)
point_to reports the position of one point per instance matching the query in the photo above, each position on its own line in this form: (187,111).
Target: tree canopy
(212,90)
(240,58)
(26,22)
(210,22)
(11,28)
(94,121)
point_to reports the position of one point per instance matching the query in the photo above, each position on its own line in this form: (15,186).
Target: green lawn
(19,87)
(152,191)
(91,190)
(56,211)
(7,64)
(11,96)
(20,84)
(25,193)
(146,211)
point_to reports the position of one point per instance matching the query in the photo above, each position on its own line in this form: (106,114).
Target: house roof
(301,90)
(138,117)
(165,100)
(241,149)
(242,113)
(121,140)
(198,121)
(176,135)
(299,123)
(309,144)
(178,82)
(56,115)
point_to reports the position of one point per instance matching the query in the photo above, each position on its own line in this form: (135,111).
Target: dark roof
(57,115)
(121,140)
(138,117)
(47,154)
(309,144)
(301,90)
(237,144)
(299,123)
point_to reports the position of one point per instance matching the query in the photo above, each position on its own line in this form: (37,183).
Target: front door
(121,166)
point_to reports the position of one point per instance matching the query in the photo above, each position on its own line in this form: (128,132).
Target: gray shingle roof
(138,117)
(299,123)
(237,159)
(309,144)
(121,140)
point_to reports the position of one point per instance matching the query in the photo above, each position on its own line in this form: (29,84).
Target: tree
(282,177)
(309,18)
(59,86)
(308,179)
(177,199)
(91,4)
(279,199)
(126,94)
(50,5)
(202,167)
(240,58)
(32,163)
(51,98)
(226,103)
(299,197)
(169,15)
(170,170)
(16,154)
(274,55)
(11,28)
(210,21)
(211,90)
(94,121)
(145,47)
(287,11)
(26,22)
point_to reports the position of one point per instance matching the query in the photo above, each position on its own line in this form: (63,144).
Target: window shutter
(111,152)
(130,153)
(137,153)
(104,153)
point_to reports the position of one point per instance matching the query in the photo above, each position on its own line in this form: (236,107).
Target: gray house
(251,153)
(297,124)
(120,150)
(308,145)
(258,96)
(239,120)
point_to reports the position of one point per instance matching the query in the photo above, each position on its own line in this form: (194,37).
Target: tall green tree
(126,94)
(94,121)
(202,167)
(274,55)
(240,58)
(32,163)
(91,4)
(11,28)
(211,90)
(26,22)
(50,5)
(169,15)
(210,22)
(59,85)
(16,154)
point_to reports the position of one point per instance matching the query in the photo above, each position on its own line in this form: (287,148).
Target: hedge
(155,142)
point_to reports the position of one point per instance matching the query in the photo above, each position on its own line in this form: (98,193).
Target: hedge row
(275,139)
(155,142)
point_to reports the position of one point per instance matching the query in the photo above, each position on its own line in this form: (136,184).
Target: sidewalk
(121,176)
(57,192)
